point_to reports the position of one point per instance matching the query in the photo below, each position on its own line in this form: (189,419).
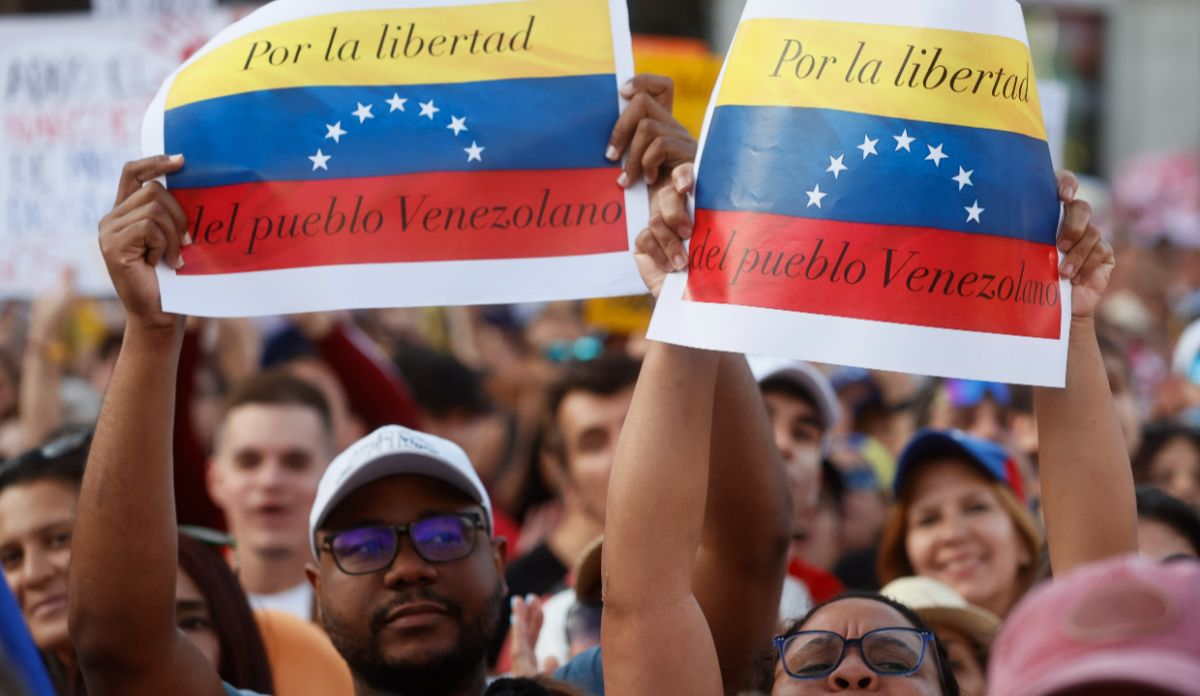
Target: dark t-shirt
(538,572)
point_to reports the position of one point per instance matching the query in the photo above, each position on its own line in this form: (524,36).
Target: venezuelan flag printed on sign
(451,133)
(887,173)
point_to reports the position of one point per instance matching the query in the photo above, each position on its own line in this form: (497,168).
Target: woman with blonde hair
(961,517)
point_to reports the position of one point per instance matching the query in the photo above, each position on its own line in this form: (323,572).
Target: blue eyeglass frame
(926,638)
(474,522)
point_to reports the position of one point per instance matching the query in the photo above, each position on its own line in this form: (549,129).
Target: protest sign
(74,91)
(400,154)
(875,189)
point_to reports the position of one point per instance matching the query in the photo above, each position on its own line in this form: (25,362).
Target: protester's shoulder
(230,691)
(585,671)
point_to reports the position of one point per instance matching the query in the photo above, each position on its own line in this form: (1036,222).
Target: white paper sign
(389,153)
(74,91)
(875,189)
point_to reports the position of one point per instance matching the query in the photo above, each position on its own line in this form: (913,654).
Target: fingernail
(680,262)
(175,158)
(1064,245)
(682,183)
(529,598)
(1068,270)
(684,231)
(178,263)
(512,602)
(612,153)
(623,180)
(626,89)
(187,239)
(1068,193)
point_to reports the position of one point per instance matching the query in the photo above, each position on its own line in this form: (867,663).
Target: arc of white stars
(868,146)
(903,141)
(836,166)
(319,160)
(363,112)
(474,153)
(396,102)
(974,211)
(428,109)
(936,154)
(458,125)
(815,196)
(334,132)
(963,178)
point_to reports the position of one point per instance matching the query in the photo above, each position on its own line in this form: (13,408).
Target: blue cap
(929,444)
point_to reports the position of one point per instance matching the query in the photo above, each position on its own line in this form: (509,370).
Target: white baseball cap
(805,376)
(388,451)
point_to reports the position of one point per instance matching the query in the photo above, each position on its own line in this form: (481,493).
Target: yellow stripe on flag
(465,43)
(935,75)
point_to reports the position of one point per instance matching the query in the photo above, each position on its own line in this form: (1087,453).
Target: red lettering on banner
(442,216)
(903,275)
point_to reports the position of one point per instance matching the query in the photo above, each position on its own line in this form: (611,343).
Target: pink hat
(1126,621)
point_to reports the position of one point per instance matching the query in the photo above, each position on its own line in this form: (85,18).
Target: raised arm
(747,525)
(124,559)
(741,560)
(655,637)
(41,367)
(376,389)
(1086,480)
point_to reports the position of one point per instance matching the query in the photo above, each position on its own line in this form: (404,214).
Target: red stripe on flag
(904,275)
(440,216)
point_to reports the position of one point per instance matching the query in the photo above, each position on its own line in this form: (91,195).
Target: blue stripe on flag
(772,159)
(273,135)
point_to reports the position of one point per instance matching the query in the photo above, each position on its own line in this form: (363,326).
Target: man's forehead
(272,425)
(583,406)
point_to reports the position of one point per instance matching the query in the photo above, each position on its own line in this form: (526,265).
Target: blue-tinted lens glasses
(440,539)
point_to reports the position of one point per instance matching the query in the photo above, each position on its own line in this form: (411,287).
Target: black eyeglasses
(370,549)
(894,652)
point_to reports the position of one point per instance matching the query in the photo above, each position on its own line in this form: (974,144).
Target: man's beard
(445,673)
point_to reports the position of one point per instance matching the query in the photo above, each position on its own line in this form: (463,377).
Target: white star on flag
(936,154)
(836,166)
(334,132)
(815,196)
(903,141)
(963,178)
(868,146)
(363,112)
(974,211)
(458,125)
(396,102)
(319,160)
(474,153)
(428,109)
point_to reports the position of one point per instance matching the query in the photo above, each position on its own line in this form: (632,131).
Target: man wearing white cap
(408,577)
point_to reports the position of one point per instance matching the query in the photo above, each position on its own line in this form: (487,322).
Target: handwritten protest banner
(875,189)
(74,90)
(431,153)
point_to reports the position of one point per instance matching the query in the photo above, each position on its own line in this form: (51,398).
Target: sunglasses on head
(372,548)
(964,393)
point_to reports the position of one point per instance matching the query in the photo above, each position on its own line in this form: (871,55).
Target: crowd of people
(535,499)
